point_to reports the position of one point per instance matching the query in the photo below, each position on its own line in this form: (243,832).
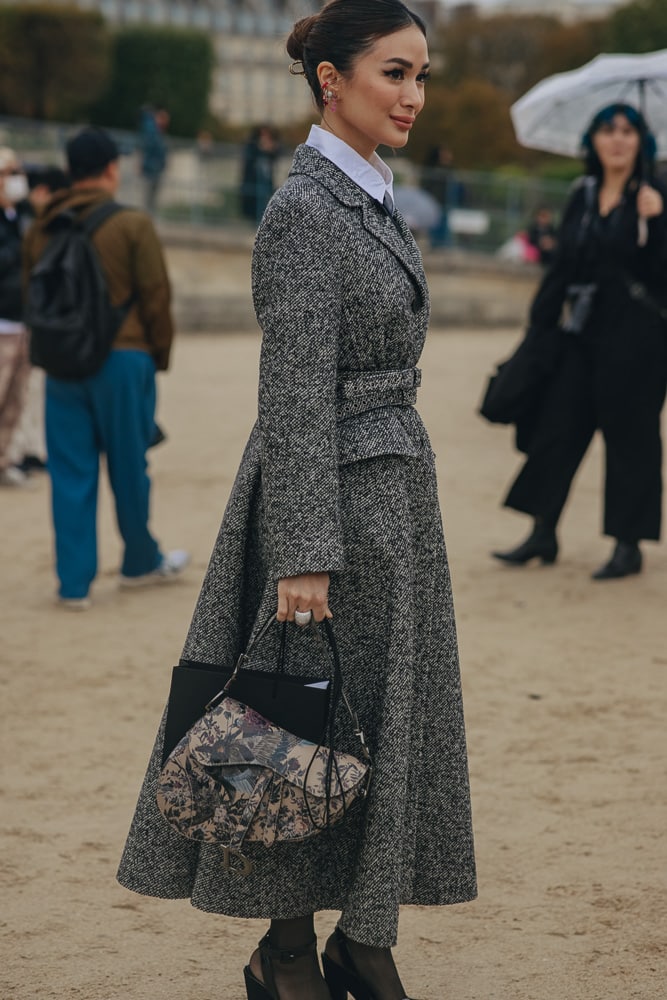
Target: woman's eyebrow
(404,62)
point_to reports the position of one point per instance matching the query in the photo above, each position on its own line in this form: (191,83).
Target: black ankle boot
(625,561)
(541,544)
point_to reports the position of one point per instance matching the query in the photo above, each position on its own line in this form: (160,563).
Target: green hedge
(54,60)
(171,67)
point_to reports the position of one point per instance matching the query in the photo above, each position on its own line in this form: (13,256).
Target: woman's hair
(647,145)
(342,31)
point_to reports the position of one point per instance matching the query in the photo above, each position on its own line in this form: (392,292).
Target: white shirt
(372,176)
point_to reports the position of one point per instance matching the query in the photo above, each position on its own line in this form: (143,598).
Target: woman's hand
(649,202)
(308,592)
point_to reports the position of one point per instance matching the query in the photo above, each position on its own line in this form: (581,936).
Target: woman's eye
(423,77)
(394,74)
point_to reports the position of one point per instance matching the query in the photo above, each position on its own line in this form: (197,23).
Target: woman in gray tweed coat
(335,509)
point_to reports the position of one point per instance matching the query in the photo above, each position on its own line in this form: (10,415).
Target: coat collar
(393,233)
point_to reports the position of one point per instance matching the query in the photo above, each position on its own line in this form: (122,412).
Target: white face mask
(15,188)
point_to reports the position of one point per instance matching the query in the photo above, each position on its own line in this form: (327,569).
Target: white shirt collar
(373,176)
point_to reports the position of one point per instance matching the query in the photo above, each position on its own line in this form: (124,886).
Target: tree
(53,60)
(472,120)
(570,46)
(168,66)
(504,50)
(640,26)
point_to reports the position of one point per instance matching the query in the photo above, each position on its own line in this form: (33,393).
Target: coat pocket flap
(374,433)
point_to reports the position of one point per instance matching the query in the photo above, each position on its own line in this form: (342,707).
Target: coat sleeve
(297,289)
(650,262)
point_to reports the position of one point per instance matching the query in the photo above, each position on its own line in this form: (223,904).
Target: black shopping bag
(290,702)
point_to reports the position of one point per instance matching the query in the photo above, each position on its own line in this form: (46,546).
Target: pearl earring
(329,98)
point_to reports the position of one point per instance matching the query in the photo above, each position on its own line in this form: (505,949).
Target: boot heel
(336,978)
(254,989)
(548,559)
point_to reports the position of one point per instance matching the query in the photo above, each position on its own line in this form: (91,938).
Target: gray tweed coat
(338,475)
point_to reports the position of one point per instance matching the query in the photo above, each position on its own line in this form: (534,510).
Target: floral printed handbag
(236,776)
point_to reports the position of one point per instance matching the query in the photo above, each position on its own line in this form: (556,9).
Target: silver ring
(303,617)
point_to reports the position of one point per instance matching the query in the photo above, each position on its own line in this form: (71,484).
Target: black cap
(89,152)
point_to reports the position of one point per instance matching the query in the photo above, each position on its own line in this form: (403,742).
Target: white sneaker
(172,565)
(74,603)
(13,476)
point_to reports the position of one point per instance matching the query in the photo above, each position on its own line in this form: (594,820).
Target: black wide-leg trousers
(616,385)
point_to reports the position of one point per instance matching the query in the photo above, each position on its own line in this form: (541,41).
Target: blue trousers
(112,412)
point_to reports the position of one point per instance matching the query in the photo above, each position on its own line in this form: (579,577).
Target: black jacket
(12,227)
(630,289)
(604,252)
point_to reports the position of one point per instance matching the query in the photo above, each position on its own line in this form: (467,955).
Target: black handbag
(289,701)
(239,776)
(516,388)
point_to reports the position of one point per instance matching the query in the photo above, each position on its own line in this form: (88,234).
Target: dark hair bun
(297,40)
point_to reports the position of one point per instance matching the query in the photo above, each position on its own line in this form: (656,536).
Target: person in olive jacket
(113,411)
(606,290)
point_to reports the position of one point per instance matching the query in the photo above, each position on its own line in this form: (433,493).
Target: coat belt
(357,392)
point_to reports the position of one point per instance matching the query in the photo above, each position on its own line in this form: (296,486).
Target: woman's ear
(327,74)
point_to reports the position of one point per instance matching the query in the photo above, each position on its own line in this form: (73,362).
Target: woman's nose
(412,96)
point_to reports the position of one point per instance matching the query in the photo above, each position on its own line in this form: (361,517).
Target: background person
(259,159)
(113,411)
(607,289)
(153,124)
(541,234)
(439,179)
(28,445)
(14,360)
(335,509)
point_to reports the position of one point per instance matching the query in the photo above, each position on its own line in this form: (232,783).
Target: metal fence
(201,186)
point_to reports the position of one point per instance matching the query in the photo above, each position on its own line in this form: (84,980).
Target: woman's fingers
(649,202)
(308,592)
(282,614)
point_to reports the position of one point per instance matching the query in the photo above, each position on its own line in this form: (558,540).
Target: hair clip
(297,72)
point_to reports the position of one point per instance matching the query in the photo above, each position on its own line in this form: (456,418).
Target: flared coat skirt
(411,841)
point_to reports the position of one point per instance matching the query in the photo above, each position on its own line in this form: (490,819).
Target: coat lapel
(393,233)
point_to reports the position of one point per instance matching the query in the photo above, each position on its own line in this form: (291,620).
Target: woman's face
(617,145)
(378,102)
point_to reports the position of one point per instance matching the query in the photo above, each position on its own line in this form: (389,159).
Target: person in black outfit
(541,234)
(257,184)
(606,289)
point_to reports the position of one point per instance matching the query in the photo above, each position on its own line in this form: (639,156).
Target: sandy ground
(564,683)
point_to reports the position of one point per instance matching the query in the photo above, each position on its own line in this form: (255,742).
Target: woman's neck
(615,181)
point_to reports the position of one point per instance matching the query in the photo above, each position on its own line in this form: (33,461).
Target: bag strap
(337,695)
(338,674)
(330,653)
(93,220)
(640,293)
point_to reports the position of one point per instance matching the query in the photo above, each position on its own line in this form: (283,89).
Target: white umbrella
(555,113)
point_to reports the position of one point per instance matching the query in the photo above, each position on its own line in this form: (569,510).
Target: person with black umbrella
(606,290)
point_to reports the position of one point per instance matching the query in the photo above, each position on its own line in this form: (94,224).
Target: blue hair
(648,147)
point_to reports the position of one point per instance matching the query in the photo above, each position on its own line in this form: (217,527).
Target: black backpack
(68,311)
